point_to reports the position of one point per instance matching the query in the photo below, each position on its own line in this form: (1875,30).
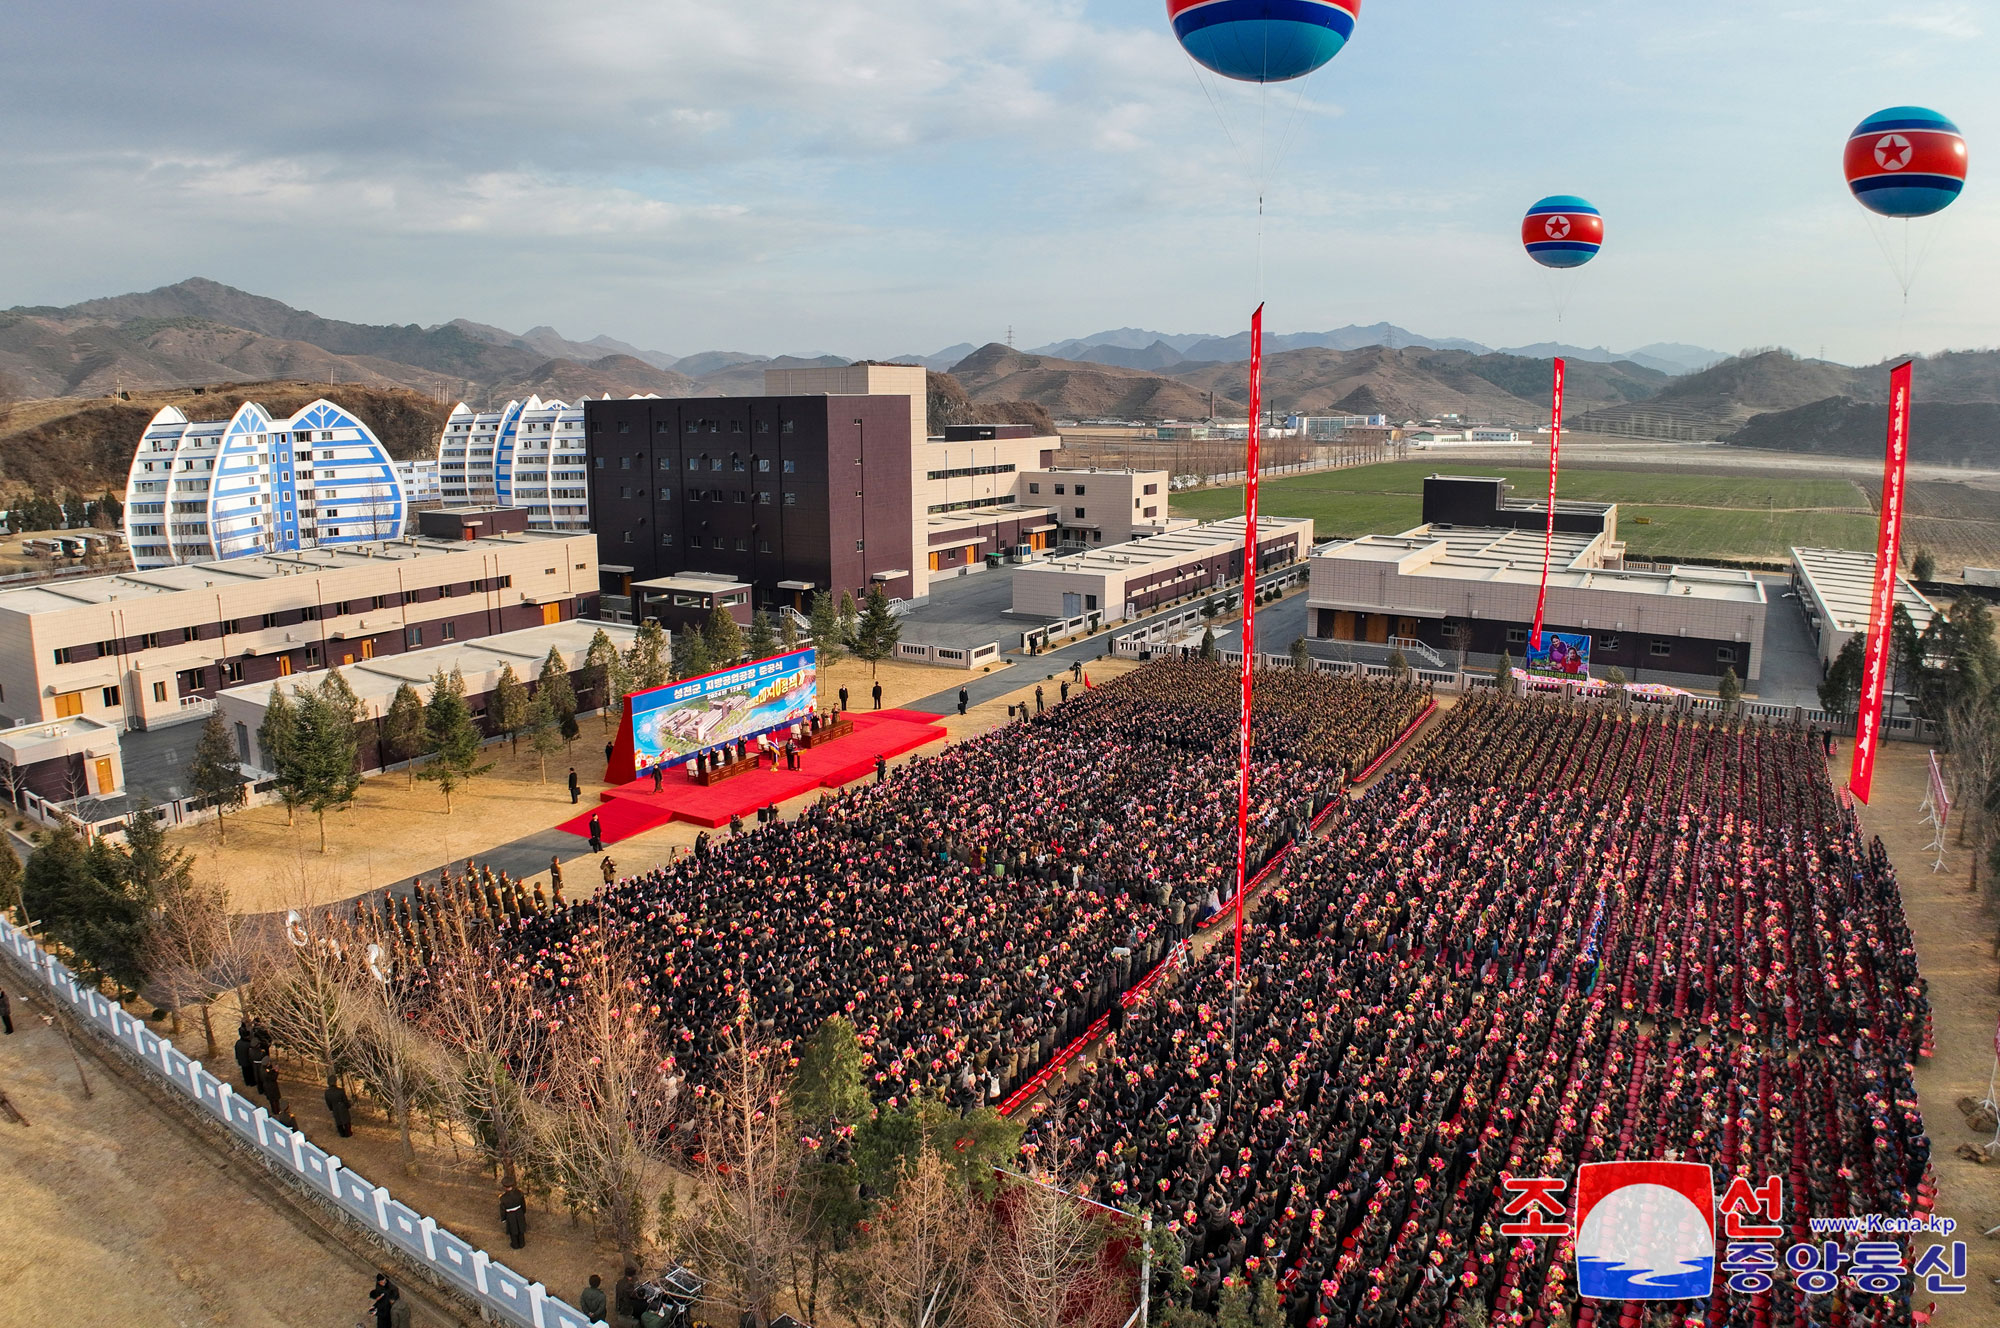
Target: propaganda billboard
(671,723)
(1563,655)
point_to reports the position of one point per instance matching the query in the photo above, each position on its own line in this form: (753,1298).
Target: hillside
(86,447)
(1940,432)
(612,375)
(1068,388)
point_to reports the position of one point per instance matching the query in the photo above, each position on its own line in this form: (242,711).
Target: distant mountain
(745,377)
(611,375)
(1136,348)
(1073,388)
(1123,338)
(942,360)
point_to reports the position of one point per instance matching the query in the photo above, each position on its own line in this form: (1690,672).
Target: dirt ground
(1954,937)
(109,1214)
(395,829)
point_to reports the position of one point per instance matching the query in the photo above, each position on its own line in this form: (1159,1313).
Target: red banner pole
(1249,628)
(1549,535)
(1882,603)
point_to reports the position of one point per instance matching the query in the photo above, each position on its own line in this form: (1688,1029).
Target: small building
(479,662)
(1468,578)
(61,760)
(1121,580)
(1836,588)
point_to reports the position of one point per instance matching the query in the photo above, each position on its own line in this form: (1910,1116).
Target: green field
(1686,515)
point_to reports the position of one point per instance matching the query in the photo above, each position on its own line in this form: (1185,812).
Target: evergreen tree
(554,683)
(1397,664)
(78,893)
(544,731)
(597,661)
(691,658)
(723,638)
(762,642)
(1924,566)
(878,632)
(647,658)
(509,708)
(850,618)
(823,627)
(75,512)
(1208,643)
(321,766)
(827,1088)
(335,691)
(153,867)
(403,734)
(1503,674)
(1840,692)
(276,737)
(111,509)
(453,738)
(1730,688)
(1301,657)
(214,772)
(10,884)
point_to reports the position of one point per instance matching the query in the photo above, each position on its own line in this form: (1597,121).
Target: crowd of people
(1555,936)
(979,909)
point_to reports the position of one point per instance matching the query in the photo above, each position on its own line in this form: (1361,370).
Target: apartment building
(526,454)
(210,490)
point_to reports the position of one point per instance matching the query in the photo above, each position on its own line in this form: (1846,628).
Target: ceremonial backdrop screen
(1563,655)
(673,722)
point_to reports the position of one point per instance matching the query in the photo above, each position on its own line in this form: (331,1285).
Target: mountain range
(200,333)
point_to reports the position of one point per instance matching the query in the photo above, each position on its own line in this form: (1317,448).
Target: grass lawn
(1692,515)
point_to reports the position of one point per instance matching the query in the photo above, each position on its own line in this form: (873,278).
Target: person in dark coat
(555,880)
(596,834)
(659,776)
(383,1297)
(246,1056)
(342,1109)
(6,1013)
(267,1084)
(625,1295)
(610,750)
(575,787)
(881,769)
(592,1302)
(514,1216)
(963,697)
(878,696)
(843,699)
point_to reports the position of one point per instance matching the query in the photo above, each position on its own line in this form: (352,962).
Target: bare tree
(736,1227)
(611,1093)
(1044,1264)
(190,949)
(917,1268)
(1972,730)
(482,1008)
(401,1067)
(14,782)
(301,983)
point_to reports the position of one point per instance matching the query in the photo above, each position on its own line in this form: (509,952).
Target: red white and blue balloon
(1263,41)
(1905,162)
(1562,231)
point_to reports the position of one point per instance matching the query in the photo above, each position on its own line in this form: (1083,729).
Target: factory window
(624,462)
(160,688)
(1079,513)
(763,546)
(1516,635)
(1607,642)
(1449,631)
(1059,488)
(62,654)
(666,539)
(448,631)
(858,544)
(790,466)
(764,463)
(791,500)
(110,695)
(1725,654)
(312,657)
(413,637)
(233,671)
(785,427)
(1079,491)
(1034,488)
(694,463)
(666,463)
(1663,647)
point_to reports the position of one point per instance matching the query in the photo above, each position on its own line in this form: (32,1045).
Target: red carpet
(634,808)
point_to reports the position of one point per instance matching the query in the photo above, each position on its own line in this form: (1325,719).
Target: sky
(807,176)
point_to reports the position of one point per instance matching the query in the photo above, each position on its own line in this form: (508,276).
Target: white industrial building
(1836,587)
(209,490)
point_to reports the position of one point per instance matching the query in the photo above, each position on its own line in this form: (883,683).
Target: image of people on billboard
(672,723)
(1563,655)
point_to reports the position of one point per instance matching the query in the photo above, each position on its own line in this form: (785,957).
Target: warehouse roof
(1462,553)
(1842,584)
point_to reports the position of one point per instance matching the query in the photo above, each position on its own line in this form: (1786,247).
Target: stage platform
(634,808)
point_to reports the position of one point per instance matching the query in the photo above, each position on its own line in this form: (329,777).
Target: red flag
(1086,682)
(1882,601)
(1549,535)
(1249,626)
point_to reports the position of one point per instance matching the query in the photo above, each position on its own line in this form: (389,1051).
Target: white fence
(948,657)
(497,1289)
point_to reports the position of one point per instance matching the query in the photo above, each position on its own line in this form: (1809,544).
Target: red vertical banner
(1249,625)
(1549,535)
(1882,599)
